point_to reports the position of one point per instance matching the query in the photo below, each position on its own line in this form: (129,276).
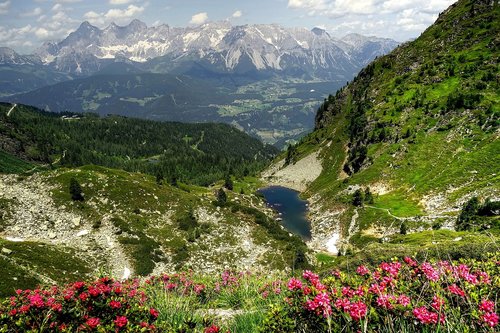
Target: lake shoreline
(291,209)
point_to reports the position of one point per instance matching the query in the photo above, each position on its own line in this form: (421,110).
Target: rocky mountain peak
(260,46)
(9,56)
(319,31)
(136,26)
(86,27)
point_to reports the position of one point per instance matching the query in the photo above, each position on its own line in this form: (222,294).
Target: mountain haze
(264,79)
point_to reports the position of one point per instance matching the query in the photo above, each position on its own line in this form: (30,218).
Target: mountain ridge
(219,43)
(263,78)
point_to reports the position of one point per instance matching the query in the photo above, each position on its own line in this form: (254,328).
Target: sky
(26,24)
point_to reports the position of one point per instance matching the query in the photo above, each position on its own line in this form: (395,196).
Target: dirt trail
(10,111)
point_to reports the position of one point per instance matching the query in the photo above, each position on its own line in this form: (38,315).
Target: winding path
(388,212)
(10,111)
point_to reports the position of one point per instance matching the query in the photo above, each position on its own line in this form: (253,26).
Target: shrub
(187,221)
(104,305)
(397,296)
(357,198)
(75,190)
(221,196)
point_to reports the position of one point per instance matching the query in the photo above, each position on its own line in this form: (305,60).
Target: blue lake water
(292,209)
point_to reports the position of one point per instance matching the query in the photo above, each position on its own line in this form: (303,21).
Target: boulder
(76,222)
(6,251)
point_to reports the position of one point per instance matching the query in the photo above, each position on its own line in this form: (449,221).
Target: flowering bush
(397,296)
(105,305)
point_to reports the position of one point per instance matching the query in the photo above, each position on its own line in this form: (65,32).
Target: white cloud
(335,8)
(35,12)
(120,2)
(4,7)
(42,33)
(14,37)
(305,3)
(56,26)
(392,6)
(116,15)
(57,7)
(199,18)
(237,14)
(412,20)
(366,15)
(338,8)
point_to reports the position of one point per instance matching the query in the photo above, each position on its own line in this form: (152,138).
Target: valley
(254,178)
(266,80)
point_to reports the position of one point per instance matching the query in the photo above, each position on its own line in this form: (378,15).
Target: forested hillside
(195,153)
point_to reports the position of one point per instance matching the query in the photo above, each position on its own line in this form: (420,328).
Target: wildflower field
(397,296)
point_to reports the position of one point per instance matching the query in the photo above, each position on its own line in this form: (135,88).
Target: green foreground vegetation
(400,295)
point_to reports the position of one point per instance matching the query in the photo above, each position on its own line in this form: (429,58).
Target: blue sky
(26,24)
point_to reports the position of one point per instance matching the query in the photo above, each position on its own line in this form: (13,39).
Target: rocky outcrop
(35,217)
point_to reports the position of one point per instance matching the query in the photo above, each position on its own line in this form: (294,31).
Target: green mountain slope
(418,129)
(127,222)
(196,153)
(16,79)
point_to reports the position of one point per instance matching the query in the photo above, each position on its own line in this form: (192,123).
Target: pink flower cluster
(105,304)
(320,304)
(488,314)
(428,317)
(410,291)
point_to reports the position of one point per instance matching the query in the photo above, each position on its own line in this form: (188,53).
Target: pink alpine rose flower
(294,284)
(93,322)
(120,321)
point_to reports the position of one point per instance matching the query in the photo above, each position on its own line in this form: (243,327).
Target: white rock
(331,244)
(82,233)
(76,221)
(6,251)
(126,273)
(14,239)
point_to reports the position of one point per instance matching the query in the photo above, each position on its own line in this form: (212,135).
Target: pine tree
(403,229)
(468,214)
(159,177)
(357,199)
(75,190)
(173,181)
(221,196)
(228,183)
(368,196)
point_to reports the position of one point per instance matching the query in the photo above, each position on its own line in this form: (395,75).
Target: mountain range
(218,46)
(264,79)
